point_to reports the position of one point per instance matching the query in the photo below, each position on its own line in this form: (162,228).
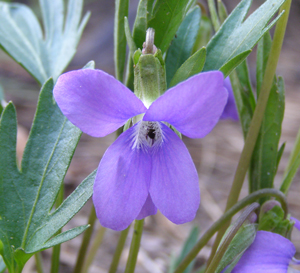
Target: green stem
(234,229)
(213,15)
(38,262)
(93,250)
(85,242)
(135,246)
(117,255)
(226,219)
(256,121)
(56,249)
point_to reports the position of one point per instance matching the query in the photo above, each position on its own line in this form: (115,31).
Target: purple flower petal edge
(95,102)
(194,106)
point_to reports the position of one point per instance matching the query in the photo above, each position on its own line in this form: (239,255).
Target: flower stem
(256,121)
(226,219)
(56,249)
(93,250)
(85,242)
(135,246)
(38,262)
(115,262)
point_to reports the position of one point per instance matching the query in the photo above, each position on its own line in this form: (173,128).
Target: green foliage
(204,33)
(235,36)
(274,221)
(2,100)
(192,66)
(241,241)
(183,43)
(264,163)
(166,17)
(121,11)
(22,38)
(188,245)
(27,224)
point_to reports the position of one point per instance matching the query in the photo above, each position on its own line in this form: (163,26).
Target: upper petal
(122,182)
(194,106)
(230,110)
(174,185)
(95,102)
(297,223)
(270,252)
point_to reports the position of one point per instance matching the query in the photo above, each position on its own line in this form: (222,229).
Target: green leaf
(121,11)
(27,195)
(130,42)
(204,33)
(263,165)
(182,46)
(188,245)
(236,36)
(2,99)
(222,11)
(22,38)
(140,23)
(240,242)
(233,63)
(192,66)
(213,14)
(243,95)
(166,17)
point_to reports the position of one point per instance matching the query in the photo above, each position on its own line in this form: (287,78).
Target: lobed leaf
(21,36)
(27,195)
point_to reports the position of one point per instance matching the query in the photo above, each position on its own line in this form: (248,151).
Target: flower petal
(148,209)
(230,110)
(270,252)
(122,182)
(194,106)
(174,185)
(95,102)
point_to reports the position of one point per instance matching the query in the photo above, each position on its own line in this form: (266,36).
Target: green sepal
(149,78)
(240,242)
(136,56)
(273,220)
(89,65)
(192,66)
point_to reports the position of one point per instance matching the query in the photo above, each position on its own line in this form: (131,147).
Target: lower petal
(148,209)
(122,182)
(270,252)
(174,185)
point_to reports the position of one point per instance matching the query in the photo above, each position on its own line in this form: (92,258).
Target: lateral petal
(270,252)
(174,186)
(148,209)
(194,106)
(122,182)
(95,102)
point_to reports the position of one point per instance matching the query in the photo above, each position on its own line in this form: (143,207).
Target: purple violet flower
(148,166)
(230,110)
(269,253)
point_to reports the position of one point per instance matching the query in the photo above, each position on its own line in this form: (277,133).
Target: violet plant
(180,79)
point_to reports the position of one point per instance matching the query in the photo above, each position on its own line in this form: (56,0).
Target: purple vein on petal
(194,106)
(95,102)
